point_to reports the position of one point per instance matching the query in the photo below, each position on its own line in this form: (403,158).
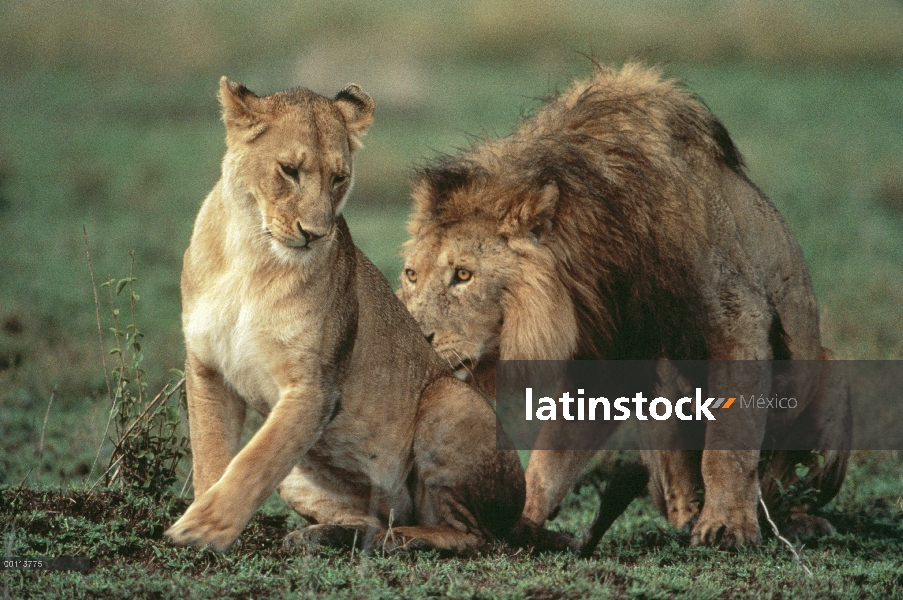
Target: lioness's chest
(245,334)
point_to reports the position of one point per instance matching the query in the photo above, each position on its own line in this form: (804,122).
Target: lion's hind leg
(794,482)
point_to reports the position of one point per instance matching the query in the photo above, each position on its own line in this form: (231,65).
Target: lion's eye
(411,274)
(290,171)
(462,275)
(339,180)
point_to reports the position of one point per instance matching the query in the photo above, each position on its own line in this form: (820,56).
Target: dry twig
(777,533)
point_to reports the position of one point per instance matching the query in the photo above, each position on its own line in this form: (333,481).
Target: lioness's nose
(430,336)
(308,235)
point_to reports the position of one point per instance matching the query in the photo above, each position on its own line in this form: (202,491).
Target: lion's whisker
(463,363)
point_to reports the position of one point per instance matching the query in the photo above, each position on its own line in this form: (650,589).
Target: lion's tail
(526,534)
(628,481)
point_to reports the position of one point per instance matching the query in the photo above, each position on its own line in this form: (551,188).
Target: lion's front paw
(207,523)
(726,530)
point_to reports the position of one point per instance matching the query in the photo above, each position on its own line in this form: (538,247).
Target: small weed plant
(147,439)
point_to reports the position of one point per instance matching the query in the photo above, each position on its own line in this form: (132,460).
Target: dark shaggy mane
(449,174)
(620,119)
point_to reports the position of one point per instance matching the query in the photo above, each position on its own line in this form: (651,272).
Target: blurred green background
(109,124)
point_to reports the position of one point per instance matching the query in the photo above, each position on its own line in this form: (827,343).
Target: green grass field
(109,134)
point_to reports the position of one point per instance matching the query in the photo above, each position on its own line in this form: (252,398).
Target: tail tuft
(526,534)
(628,482)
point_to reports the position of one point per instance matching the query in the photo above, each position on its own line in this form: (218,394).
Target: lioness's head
(481,283)
(289,155)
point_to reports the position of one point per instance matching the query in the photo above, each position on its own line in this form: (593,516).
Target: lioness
(618,223)
(365,426)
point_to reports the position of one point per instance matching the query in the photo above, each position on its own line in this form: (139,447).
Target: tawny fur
(618,223)
(365,426)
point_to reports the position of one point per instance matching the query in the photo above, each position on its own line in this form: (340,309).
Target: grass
(108,122)
(639,557)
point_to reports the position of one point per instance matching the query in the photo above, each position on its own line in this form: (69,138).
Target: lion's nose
(429,337)
(308,235)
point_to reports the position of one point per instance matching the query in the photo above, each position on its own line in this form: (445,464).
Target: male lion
(365,426)
(618,223)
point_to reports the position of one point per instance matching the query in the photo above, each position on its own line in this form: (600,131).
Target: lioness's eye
(462,275)
(339,180)
(411,274)
(289,170)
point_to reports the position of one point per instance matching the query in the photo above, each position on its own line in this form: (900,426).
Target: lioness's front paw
(726,531)
(206,524)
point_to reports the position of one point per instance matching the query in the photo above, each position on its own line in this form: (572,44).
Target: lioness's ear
(238,104)
(534,213)
(356,107)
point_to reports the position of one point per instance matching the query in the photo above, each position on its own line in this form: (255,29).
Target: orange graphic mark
(728,403)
